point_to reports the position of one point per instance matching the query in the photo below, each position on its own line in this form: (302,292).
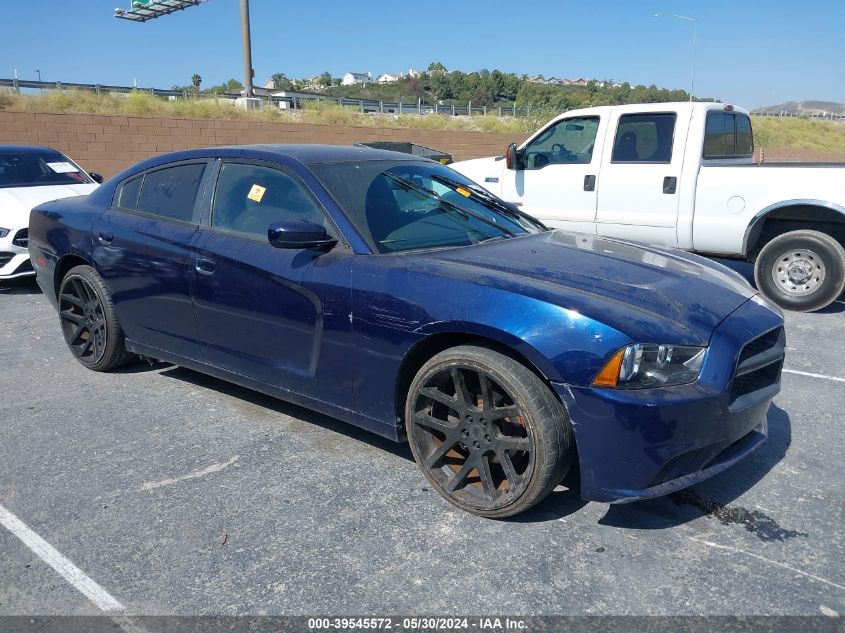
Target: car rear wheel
(88,320)
(488,434)
(801,270)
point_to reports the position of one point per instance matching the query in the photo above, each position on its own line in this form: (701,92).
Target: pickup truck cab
(682,175)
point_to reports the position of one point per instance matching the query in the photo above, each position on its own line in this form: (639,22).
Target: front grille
(5,258)
(21,238)
(757,373)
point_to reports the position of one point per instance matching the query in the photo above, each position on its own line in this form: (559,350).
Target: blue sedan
(393,293)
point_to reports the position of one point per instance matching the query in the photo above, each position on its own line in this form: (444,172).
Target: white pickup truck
(681,175)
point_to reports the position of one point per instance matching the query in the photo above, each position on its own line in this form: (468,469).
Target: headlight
(4,232)
(644,366)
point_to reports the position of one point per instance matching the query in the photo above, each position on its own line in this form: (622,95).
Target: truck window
(570,141)
(727,135)
(644,138)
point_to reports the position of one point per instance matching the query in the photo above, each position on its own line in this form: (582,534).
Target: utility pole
(247,44)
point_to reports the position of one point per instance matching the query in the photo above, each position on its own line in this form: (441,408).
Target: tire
(801,270)
(88,321)
(488,434)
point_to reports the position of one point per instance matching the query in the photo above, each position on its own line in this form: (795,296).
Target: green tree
(281,81)
(436,67)
(325,79)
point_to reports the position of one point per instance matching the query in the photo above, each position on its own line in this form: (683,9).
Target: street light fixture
(694,28)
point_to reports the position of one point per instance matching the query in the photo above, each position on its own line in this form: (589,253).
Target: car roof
(310,154)
(26,149)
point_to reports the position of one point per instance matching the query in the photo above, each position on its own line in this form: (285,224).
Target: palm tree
(196,80)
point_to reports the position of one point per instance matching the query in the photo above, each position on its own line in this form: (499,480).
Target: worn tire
(113,351)
(542,415)
(804,250)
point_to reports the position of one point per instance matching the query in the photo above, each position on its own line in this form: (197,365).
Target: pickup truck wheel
(88,320)
(801,270)
(487,433)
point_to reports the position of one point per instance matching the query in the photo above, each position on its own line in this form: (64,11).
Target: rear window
(727,135)
(644,138)
(171,192)
(39,167)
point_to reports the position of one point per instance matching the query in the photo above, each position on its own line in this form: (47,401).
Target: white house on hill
(350,79)
(389,78)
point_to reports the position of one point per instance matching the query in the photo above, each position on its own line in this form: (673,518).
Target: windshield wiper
(412,186)
(488,199)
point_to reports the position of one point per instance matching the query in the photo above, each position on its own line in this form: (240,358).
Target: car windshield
(35,168)
(412,205)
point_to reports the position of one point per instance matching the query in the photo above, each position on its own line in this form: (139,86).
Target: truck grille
(757,373)
(21,238)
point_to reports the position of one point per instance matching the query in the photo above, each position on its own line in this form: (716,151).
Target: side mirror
(299,234)
(96,177)
(512,158)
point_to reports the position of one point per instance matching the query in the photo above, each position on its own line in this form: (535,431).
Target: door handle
(105,238)
(670,184)
(589,183)
(204,266)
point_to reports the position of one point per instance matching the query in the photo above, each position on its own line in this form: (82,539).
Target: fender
(752,231)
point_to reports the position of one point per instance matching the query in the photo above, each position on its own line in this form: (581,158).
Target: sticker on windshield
(256,193)
(62,168)
(464,192)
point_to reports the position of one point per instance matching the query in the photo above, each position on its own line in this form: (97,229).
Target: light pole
(694,28)
(41,88)
(144,10)
(247,44)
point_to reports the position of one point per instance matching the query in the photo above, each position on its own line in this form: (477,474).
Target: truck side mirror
(512,158)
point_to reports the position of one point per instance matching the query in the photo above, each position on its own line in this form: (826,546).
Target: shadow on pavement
(712,497)
(19,286)
(280,406)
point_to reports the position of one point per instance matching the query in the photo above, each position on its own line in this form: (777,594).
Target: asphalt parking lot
(181,494)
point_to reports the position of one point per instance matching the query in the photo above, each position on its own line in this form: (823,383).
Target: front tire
(488,434)
(801,270)
(89,322)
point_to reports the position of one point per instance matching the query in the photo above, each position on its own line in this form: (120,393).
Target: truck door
(640,178)
(559,172)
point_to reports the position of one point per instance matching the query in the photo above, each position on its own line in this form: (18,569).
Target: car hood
(17,202)
(651,294)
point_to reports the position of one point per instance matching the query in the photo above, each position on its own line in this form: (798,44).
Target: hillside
(807,107)
(494,89)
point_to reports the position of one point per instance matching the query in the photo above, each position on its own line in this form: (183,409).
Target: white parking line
(50,555)
(812,375)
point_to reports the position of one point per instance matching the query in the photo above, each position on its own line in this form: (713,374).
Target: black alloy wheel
(88,321)
(487,432)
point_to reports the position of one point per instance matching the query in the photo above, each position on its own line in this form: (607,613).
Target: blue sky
(748,53)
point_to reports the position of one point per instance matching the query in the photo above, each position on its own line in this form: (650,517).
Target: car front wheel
(801,270)
(88,320)
(488,434)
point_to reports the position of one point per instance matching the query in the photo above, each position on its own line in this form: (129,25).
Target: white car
(30,176)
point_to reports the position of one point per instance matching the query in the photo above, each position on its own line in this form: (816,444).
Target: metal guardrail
(295,101)
(795,115)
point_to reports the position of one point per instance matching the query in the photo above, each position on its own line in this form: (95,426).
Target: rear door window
(644,138)
(171,192)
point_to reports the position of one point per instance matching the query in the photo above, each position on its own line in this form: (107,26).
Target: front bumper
(14,256)
(638,444)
